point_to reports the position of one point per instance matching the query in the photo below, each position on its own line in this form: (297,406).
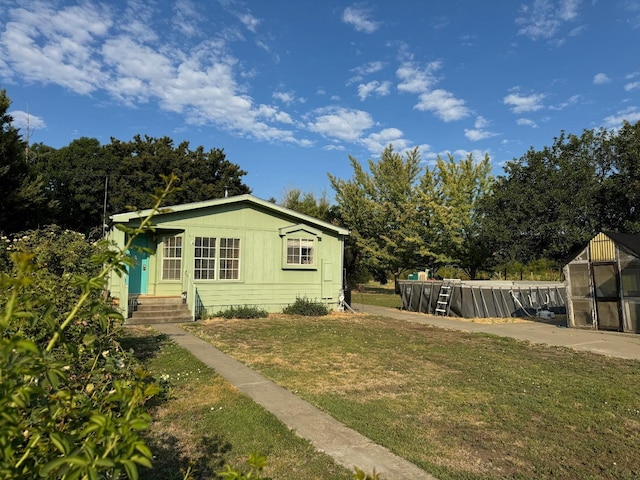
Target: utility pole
(104,208)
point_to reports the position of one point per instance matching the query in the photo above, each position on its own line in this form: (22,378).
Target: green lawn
(202,422)
(460,405)
(375,294)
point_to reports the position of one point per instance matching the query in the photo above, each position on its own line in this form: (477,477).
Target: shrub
(248,311)
(306,307)
(72,402)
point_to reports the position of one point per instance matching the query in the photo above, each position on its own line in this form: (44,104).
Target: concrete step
(155,310)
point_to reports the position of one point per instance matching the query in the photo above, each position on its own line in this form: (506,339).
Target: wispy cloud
(376,142)
(418,79)
(543,19)
(415,78)
(630,114)
(527,122)
(86,48)
(601,79)
(360,19)
(632,86)
(524,103)
(479,130)
(572,100)
(380,89)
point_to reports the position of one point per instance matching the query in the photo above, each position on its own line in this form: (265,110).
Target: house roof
(248,199)
(630,241)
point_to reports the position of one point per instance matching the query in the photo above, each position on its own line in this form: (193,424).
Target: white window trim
(180,258)
(300,232)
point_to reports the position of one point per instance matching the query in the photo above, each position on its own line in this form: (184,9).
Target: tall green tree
(22,192)
(620,195)
(449,196)
(140,163)
(375,206)
(307,203)
(88,181)
(549,201)
(76,180)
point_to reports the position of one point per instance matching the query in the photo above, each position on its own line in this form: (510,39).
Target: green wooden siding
(264,280)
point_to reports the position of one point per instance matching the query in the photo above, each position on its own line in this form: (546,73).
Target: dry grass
(460,405)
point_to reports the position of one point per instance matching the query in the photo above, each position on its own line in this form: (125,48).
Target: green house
(236,251)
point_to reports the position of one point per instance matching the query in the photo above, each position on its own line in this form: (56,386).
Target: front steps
(153,310)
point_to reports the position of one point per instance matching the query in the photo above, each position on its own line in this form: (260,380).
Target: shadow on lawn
(172,459)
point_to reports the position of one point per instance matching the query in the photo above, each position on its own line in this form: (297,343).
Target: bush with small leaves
(306,307)
(72,402)
(248,311)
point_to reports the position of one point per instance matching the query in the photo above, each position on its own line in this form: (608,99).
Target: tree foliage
(404,217)
(307,203)
(553,200)
(375,207)
(22,192)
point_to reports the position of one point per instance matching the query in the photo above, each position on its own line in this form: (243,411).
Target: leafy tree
(78,176)
(375,206)
(549,201)
(142,161)
(449,195)
(308,204)
(75,177)
(22,193)
(620,194)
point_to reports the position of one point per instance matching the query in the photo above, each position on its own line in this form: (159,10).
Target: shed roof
(236,199)
(630,241)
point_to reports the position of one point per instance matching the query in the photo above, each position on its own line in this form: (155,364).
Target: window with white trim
(300,251)
(229,259)
(204,258)
(171,257)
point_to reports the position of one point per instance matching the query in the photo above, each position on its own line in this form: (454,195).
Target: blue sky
(291,88)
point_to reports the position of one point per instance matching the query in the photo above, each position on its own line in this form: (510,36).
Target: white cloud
(571,101)
(630,114)
(60,50)
(376,142)
(285,97)
(249,21)
(369,68)
(341,123)
(632,86)
(524,103)
(601,79)
(85,50)
(380,89)
(26,120)
(415,78)
(359,18)
(443,104)
(527,122)
(479,131)
(186,18)
(544,18)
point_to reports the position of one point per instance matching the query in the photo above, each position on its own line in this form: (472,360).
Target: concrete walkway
(348,447)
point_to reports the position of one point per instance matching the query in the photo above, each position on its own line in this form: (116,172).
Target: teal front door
(139,272)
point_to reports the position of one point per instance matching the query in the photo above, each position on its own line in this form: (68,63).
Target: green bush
(306,307)
(248,311)
(72,401)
